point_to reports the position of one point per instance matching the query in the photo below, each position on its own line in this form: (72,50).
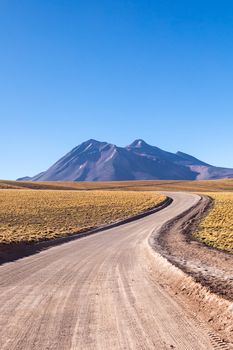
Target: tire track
(94,293)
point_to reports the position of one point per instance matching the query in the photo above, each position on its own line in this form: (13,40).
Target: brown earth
(211,267)
(208,285)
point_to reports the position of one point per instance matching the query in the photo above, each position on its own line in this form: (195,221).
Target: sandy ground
(99,292)
(209,266)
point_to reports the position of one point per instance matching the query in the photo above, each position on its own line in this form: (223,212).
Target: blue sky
(114,71)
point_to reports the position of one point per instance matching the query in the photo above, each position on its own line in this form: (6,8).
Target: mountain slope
(100,161)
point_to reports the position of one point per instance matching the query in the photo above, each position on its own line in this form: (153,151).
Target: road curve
(96,293)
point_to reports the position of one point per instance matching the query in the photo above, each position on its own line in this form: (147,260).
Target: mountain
(101,161)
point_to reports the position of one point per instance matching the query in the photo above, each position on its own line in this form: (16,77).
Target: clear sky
(115,71)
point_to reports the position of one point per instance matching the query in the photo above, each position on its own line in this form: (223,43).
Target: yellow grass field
(148,185)
(216,229)
(33,215)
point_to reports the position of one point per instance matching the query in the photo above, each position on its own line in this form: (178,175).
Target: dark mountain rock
(101,161)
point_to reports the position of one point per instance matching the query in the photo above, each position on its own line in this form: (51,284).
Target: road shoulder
(196,274)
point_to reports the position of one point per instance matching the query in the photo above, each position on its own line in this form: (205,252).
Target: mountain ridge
(95,160)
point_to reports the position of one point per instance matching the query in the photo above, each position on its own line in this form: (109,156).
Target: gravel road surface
(96,293)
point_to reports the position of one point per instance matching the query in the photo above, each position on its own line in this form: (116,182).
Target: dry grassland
(216,229)
(33,215)
(149,185)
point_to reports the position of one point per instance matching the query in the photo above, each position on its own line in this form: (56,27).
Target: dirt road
(96,293)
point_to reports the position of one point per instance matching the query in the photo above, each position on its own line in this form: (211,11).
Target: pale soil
(105,291)
(98,292)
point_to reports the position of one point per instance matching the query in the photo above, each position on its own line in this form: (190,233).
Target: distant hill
(101,161)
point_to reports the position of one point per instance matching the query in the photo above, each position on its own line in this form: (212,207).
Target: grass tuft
(216,229)
(34,215)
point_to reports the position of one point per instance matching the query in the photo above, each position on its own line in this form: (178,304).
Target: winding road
(97,292)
